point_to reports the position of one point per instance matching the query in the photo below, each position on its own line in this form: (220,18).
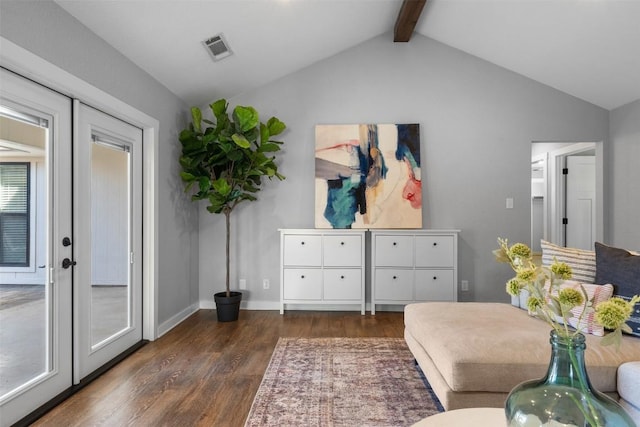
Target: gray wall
(48,31)
(477,122)
(623,173)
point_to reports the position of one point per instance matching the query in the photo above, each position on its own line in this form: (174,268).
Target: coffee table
(477,417)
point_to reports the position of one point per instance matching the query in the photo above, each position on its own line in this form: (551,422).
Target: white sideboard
(413,265)
(322,267)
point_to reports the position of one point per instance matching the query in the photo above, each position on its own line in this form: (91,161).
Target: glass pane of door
(24,291)
(110,265)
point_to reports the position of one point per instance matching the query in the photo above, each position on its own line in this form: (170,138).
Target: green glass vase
(564,397)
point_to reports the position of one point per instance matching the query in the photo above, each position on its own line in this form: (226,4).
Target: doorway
(566,194)
(70,256)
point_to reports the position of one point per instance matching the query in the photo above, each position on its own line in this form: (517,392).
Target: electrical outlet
(265,284)
(242,284)
(464,285)
(509,203)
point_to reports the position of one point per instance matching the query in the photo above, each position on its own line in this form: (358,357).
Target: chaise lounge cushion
(492,347)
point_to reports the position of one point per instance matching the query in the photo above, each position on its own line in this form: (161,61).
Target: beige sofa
(473,354)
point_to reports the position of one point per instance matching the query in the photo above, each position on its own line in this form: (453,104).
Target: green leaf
(186,176)
(241,141)
(268,147)
(247,117)
(252,135)
(250,188)
(185,162)
(196,116)
(219,109)
(235,155)
(222,186)
(275,126)
(612,338)
(204,183)
(186,135)
(215,208)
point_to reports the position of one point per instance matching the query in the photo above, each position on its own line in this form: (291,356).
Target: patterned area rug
(341,382)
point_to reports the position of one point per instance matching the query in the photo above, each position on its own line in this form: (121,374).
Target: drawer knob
(394,243)
(302,277)
(342,277)
(302,243)
(395,277)
(435,278)
(435,243)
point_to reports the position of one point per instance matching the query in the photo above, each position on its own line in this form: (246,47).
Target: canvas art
(368,176)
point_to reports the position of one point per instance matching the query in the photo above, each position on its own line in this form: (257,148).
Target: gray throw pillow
(622,269)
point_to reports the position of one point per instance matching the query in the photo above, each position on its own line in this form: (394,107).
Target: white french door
(70,243)
(108,249)
(35,336)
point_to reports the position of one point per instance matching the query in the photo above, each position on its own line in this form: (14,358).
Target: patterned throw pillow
(621,268)
(596,294)
(582,262)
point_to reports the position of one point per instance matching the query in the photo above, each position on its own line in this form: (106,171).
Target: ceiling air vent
(218,47)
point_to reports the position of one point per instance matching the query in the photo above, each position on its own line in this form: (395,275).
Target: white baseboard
(275,305)
(174,321)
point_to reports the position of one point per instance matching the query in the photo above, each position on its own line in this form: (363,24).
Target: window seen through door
(14,214)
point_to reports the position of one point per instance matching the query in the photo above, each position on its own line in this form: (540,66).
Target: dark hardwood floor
(204,373)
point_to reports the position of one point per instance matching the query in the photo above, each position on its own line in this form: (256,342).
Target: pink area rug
(341,382)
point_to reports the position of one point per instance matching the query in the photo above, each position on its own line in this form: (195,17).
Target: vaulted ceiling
(587,48)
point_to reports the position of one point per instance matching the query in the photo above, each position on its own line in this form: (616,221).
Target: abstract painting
(368,176)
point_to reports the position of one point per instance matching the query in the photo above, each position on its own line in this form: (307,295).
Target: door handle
(66,263)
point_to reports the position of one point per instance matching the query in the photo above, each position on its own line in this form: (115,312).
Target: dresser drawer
(394,284)
(435,285)
(302,284)
(342,251)
(302,250)
(434,251)
(342,284)
(394,251)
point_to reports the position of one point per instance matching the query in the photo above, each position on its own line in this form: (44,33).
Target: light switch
(509,202)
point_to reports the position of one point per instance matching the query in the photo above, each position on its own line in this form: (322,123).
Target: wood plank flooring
(204,373)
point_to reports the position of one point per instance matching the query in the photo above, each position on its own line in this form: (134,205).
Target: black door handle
(66,263)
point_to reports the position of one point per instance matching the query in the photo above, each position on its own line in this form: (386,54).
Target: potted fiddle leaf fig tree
(224,163)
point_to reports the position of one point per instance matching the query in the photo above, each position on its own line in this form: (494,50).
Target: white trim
(275,306)
(21,61)
(175,320)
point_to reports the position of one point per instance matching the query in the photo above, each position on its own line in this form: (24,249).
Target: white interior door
(35,219)
(108,226)
(581,202)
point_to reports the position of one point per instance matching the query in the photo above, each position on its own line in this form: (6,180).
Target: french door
(107,223)
(35,291)
(70,243)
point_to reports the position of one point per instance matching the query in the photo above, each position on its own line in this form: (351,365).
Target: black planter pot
(228,308)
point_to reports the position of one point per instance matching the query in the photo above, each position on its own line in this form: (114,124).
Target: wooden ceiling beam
(407,19)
